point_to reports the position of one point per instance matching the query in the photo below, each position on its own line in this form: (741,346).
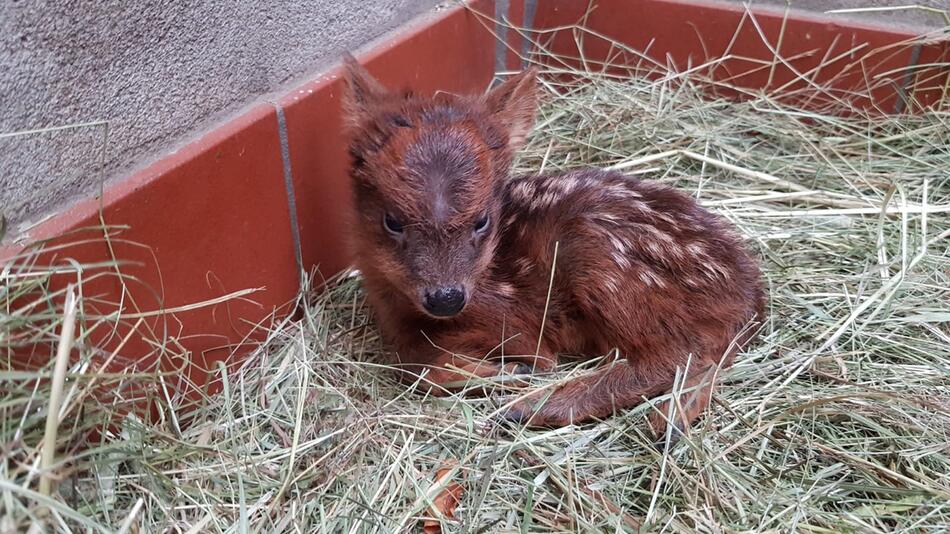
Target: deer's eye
(393,225)
(481,225)
(401,121)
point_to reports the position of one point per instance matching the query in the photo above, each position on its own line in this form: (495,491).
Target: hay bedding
(836,420)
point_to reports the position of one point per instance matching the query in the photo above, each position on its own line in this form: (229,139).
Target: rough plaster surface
(159,72)
(906,18)
(156,71)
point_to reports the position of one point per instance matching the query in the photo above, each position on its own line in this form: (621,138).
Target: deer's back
(628,252)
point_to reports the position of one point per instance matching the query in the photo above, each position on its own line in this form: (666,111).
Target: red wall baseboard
(809,59)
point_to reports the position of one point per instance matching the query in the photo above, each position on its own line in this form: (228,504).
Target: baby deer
(461,261)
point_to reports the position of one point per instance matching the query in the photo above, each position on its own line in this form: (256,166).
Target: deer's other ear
(361,90)
(514,103)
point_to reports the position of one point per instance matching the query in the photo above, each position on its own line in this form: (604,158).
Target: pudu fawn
(457,259)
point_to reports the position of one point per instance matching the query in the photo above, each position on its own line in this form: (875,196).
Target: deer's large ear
(514,103)
(361,90)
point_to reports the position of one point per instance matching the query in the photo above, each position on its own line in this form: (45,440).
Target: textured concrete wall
(914,18)
(157,72)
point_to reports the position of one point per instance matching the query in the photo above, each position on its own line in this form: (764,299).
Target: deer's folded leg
(445,373)
(597,395)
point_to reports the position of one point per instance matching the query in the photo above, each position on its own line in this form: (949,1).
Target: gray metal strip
(289,186)
(902,97)
(501,35)
(530,8)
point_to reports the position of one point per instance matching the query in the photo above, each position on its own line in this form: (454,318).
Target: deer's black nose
(444,301)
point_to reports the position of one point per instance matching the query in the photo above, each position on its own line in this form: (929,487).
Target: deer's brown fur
(640,267)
